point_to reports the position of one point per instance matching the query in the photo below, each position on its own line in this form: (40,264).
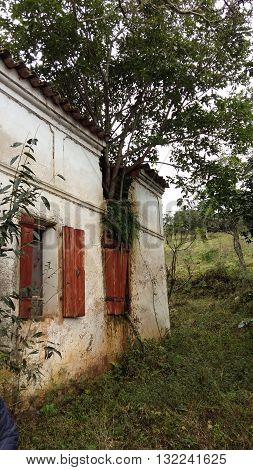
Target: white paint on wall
(149,302)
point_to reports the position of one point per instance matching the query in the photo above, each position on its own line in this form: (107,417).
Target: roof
(152,175)
(50,93)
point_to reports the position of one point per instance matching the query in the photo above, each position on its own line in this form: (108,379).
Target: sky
(172,194)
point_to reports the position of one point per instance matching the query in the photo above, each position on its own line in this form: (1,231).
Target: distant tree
(225,201)
(148,73)
(247,203)
(180,230)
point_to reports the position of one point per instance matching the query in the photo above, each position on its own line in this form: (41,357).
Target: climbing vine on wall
(121,221)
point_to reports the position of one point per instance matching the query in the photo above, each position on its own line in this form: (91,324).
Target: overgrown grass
(192,390)
(217,250)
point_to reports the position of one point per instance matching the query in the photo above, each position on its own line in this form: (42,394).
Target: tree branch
(129,123)
(122,9)
(86,99)
(188,11)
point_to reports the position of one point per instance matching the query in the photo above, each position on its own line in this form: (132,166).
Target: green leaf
(17,183)
(50,350)
(29,147)
(28,154)
(38,334)
(60,176)
(28,169)
(32,141)
(18,252)
(49,408)
(25,292)
(14,159)
(46,202)
(36,235)
(16,144)
(3,190)
(8,302)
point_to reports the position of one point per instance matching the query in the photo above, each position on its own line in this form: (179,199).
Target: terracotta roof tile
(49,92)
(153,175)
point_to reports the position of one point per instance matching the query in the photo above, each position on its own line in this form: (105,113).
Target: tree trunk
(172,273)
(238,249)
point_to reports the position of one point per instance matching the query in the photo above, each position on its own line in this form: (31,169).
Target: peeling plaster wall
(148,287)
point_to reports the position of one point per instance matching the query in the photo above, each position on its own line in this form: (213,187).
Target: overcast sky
(171,194)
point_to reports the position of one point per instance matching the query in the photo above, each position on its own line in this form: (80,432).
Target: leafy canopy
(226,199)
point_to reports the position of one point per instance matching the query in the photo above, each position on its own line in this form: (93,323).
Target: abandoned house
(81,282)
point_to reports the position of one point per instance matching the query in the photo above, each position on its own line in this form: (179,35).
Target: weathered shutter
(26,264)
(80,273)
(116,263)
(73,273)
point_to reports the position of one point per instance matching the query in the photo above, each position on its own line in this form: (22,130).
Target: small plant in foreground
(20,341)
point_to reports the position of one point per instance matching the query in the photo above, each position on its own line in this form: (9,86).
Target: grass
(217,250)
(192,390)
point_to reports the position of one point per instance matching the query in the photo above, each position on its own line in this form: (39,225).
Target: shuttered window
(30,269)
(73,273)
(116,264)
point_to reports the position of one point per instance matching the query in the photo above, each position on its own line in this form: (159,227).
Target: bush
(222,280)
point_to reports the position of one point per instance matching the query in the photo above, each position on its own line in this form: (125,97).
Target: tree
(148,73)
(224,201)
(247,203)
(181,230)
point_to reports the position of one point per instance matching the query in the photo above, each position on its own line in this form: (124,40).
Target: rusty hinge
(115,299)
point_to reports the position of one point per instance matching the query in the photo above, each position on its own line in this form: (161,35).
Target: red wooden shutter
(116,262)
(73,273)
(26,263)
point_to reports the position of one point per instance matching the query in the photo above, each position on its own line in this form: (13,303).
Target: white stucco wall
(92,341)
(148,288)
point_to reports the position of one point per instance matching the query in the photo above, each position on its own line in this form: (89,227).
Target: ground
(191,390)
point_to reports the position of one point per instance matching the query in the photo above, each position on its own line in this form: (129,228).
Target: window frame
(31,222)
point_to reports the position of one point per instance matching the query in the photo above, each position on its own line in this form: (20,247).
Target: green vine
(121,221)
(134,330)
